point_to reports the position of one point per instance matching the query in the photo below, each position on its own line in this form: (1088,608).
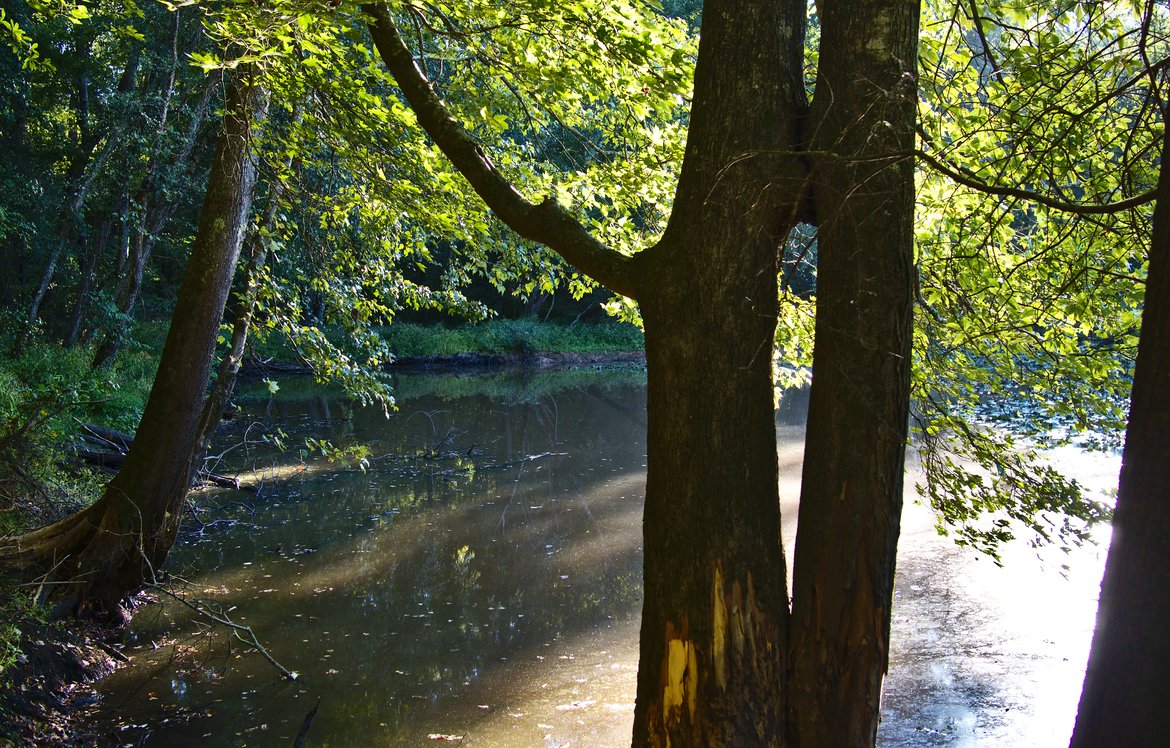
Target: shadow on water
(481,578)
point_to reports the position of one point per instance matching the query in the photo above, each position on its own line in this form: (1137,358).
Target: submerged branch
(237,629)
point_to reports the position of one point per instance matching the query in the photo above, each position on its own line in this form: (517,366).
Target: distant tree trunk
(89,268)
(69,223)
(83,170)
(108,549)
(1125,701)
(156,210)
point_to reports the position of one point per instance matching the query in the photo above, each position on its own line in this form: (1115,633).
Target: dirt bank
(47,693)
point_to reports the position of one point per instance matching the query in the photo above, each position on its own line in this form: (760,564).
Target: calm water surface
(481,579)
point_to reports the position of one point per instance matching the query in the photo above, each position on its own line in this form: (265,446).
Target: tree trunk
(1124,701)
(715,616)
(862,127)
(229,367)
(715,654)
(85,288)
(116,543)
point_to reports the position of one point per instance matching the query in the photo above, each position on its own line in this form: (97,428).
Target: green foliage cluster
(46,392)
(1030,298)
(511,336)
(16,609)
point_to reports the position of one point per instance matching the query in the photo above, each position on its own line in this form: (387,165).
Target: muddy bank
(47,694)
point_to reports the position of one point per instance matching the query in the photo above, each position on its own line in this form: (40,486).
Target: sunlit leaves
(1028,316)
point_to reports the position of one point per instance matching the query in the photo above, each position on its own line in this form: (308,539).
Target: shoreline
(453,362)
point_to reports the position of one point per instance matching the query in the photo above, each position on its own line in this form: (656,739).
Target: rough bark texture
(1125,701)
(714,619)
(112,546)
(862,124)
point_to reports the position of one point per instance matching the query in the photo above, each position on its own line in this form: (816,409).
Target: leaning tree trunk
(110,548)
(862,127)
(1124,701)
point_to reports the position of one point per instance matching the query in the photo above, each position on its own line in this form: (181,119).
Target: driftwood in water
(112,447)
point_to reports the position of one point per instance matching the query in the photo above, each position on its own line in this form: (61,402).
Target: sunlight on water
(481,580)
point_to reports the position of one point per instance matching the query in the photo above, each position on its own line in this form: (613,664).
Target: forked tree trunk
(715,612)
(722,662)
(111,547)
(1125,701)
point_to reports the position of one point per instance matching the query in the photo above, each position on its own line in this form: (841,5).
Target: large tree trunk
(110,548)
(716,664)
(1125,700)
(714,619)
(862,128)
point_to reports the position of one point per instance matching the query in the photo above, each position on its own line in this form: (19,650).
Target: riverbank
(46,669)
(48,683)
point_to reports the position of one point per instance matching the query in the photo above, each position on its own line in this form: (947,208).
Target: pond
(478,577)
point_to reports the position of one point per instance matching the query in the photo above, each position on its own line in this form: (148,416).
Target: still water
(478,579)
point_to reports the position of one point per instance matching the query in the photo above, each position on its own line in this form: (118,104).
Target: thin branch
(237,628)
(966,178)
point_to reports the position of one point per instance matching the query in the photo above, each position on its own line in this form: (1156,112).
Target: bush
(45,392)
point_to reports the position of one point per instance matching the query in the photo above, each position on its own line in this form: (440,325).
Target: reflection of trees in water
(411,560)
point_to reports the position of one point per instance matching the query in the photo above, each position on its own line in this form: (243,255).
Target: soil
(45,697)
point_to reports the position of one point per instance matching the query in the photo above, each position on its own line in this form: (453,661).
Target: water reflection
(480,578)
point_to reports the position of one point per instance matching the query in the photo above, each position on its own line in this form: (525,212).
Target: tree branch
(969,179)
(545,222)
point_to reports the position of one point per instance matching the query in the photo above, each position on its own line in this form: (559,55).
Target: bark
(715,611)
(229,368)
(1125,701)
(851,490)
(110,548)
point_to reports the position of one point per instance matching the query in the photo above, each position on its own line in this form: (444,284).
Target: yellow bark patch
(681,686)
(719,635)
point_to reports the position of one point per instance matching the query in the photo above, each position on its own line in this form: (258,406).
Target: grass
(512,336)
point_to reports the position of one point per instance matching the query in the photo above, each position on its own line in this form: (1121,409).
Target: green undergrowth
(512,385)
(512,336)
(498,336)
(46,393)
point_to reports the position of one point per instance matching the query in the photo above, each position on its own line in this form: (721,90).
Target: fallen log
(111,454)
(108,438)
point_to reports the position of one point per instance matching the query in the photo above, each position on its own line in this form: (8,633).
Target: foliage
(16,609)
(508,336)
(45,393)
(1029,297)
(1027,314)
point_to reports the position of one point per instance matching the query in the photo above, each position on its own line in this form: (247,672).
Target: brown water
(481,579)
